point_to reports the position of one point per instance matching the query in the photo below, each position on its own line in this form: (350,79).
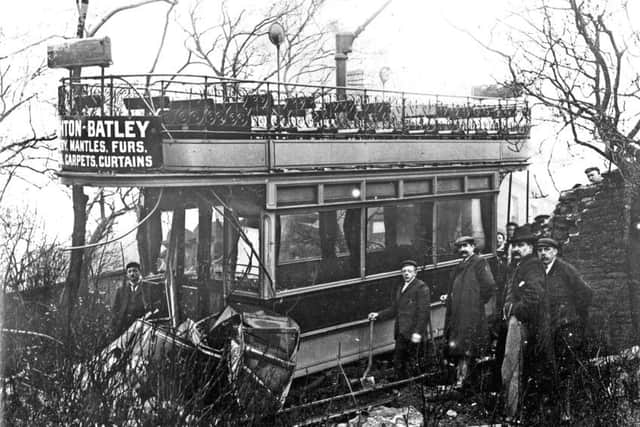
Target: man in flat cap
(542,219)
(542,222)
(471,288)
(524,292)
(411,310)
(130,302)
(593,175)
(566,307)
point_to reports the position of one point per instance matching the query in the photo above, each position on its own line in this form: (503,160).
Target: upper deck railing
(206,107)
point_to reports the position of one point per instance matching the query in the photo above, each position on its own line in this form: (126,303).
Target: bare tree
(26,149)
(579,59)
(29,259)
(237,44)
(79,198)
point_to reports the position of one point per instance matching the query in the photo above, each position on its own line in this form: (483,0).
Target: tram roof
(154,128)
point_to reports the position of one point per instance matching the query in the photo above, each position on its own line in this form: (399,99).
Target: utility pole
(79,199)
(344,45)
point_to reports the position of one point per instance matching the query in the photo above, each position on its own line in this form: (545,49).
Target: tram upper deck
(162,130)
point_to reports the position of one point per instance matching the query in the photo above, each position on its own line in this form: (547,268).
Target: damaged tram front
(286,209)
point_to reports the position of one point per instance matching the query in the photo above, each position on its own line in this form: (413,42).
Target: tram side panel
(334,321)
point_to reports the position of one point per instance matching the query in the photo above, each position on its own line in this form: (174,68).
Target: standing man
(525,283)
(411,310)
(130,302)
(511,229)
(471,288)
(567,300)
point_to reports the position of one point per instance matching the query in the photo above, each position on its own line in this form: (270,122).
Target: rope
(145,219)
(35,334)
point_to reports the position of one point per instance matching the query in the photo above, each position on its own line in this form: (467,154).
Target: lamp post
(344,45)
(276,36)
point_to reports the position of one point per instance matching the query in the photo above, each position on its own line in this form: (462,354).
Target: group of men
(541,303)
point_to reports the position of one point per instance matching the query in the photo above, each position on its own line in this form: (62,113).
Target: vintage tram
(300,199)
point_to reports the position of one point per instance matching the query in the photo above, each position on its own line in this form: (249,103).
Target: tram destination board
(104,144)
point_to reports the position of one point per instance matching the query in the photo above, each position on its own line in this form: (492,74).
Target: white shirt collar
(547,268)
(406,285)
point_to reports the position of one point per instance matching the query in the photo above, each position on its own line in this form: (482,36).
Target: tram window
(470,217)
(165,224)
(317,247)
(243,260)
(398,232)
(191,242)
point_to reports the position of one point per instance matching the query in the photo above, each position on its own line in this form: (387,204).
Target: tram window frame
(445,250)
(338,266)
(389,263)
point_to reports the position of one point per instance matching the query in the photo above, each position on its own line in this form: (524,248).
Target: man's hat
(408,262)
(524,234)
(541,218)
(547,242)
(464,239)
(133,264)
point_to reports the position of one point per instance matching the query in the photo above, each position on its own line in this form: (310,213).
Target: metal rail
(356,393)
(224,107)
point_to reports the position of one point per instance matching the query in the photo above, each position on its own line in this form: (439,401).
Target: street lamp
(384,74)
(276,36)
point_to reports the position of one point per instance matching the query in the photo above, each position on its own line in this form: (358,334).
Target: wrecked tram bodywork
(243,355)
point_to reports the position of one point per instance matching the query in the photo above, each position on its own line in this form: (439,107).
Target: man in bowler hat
(411,310)
(524,292)
(130,302)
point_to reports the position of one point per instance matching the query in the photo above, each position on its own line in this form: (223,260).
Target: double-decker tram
(298,199)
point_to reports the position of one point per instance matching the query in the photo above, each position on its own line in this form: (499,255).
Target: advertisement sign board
(111,143)
(80,53)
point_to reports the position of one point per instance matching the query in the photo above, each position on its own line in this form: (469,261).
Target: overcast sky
(424,43)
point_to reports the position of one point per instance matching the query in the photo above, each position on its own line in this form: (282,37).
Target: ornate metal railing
(212,107)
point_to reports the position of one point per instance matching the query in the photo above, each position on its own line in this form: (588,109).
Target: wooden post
(72,283)
(178,221)
(172,274)
(205,215)
(509,197)
(527,199)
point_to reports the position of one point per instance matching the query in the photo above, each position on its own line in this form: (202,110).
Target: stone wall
(589,220)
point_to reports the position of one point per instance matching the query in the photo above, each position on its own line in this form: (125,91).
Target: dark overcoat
(568,295)
(564,311)
(411,309)
(525,292)
(471,287)
(525,285)
(128,306)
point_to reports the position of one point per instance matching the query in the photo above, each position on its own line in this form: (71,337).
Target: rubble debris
(384,416)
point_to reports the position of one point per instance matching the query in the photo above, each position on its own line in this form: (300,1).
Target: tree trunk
(74,275)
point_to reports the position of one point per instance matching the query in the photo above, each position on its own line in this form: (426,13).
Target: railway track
(335,395)
(338,394)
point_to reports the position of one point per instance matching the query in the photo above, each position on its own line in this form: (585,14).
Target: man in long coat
(465,326)
(525,287)
(566,309)
(411,310)
(130,302)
